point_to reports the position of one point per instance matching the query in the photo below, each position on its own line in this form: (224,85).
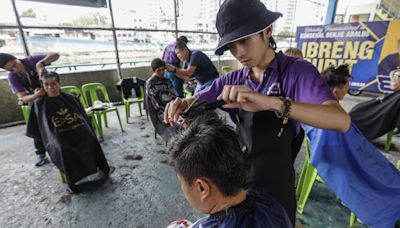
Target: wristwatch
(174,71)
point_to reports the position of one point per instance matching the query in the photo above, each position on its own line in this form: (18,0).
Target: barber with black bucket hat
(24,80)
(267,99)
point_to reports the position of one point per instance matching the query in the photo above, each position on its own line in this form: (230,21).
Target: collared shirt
(301,82)
(19,82)
(205,69)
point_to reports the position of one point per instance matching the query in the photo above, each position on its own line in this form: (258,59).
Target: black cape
(71,142)
(160,91)
(378,116)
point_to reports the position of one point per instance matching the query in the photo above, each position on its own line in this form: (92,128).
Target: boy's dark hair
(157,63)
(210,149)
(51,74)
(336,76)
(180,45)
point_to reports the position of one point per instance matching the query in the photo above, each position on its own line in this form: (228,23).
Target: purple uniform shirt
(17,80)
(169,55)
(301,82)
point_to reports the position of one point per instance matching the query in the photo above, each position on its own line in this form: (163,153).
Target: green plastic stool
(25,112)
(137,100)
(307,179)
(92,89)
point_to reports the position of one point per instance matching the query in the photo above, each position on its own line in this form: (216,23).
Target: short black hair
(5,58)
(180,45)
(51,74)
(336,76)
(183,39)
(157,63)
(209,148)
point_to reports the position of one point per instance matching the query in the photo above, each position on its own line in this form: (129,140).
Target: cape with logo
(68,137)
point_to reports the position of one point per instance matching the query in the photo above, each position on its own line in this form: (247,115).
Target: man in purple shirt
(261,97)
(170,57)
(24,81)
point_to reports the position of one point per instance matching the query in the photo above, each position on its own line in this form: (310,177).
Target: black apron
(269,156)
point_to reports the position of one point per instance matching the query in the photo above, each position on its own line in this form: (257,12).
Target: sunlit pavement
(140,193)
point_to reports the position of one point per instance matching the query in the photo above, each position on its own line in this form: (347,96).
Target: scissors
(197,108)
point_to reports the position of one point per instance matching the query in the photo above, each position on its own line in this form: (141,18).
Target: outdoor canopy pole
(115,41)
(21,31)
(331,12)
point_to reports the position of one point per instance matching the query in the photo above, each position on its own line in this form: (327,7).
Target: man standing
(170,57)
(24,81)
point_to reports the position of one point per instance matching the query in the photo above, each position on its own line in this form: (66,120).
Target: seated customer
(211,169)
(380,115)
(60,120)
(363,179)
(159,91)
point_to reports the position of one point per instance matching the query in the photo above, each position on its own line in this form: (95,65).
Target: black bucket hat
(5,58)
(237,19)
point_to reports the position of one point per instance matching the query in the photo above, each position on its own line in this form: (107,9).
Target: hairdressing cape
(258,210)
(68,137)
(377,116)
(358,173)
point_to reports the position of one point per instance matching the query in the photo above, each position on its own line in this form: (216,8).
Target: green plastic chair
(74,90)
(25,112)
(92,89)
(307,179)
(226,69)
(131,100)
(187,93)
(388,142)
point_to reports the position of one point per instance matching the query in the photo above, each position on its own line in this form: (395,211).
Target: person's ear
(203,188)
(268,32)
(335,91)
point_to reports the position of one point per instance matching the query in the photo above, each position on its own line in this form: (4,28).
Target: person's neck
(258,70)
(226,202)
(53,95)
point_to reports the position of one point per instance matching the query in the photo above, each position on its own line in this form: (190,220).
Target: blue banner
(368,48)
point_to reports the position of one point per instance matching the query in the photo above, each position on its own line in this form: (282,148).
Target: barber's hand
(39,92)
(169,67)
(244,98)
(173,109)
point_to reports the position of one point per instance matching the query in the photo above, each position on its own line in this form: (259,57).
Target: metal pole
(115,41)
(331,12)
(219,57)
(176,18)
(21,31)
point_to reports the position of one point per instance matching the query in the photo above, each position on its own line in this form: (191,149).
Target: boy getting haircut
(157,63)
(211,169)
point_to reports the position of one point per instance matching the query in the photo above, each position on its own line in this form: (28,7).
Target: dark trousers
(39,146)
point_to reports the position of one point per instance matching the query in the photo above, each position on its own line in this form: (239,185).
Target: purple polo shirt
(169,55)
(17,80)
(301,82)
